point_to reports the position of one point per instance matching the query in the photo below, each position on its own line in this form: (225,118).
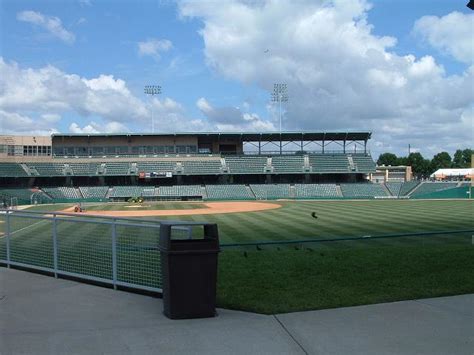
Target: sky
(400,69)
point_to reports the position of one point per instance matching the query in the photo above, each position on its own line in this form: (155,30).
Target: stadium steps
(339,191)
(292,193)
(204,192)
(79,192)
(387,191)
(25,168)
(247,187)
(351,163)
(109,192)
(409,193)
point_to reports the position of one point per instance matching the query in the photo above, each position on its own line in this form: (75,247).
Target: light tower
(152,90)
(280,95)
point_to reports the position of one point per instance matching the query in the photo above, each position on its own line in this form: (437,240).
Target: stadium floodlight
(152,90)
(280,94)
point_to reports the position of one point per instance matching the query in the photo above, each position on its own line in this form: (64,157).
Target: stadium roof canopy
(243,136)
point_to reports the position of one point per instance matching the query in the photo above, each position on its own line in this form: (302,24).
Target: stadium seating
(407,187)
(93,191)
(129,191)
(156,166)
(23,195)
(229,192)
(429,187)
(270,191)
(363,163)
(252,164)
(394,188)
(62,193)
(317,191)
(287,164)
(84,169)
(48,169)
(326,163)
(117,168)
(180,191)
(366,190)
(201,167)
(11,170)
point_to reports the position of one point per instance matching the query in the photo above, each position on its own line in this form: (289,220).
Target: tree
(441,161)
(419,165)
(462,158)
(387,159)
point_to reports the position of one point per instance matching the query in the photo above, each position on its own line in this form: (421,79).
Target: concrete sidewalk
(43,315)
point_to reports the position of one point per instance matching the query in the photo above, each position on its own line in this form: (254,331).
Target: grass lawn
(317,275)
(273,281)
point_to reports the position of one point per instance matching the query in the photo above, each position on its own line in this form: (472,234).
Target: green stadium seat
(366,190)
(229,192)
(317,191)
(270,191)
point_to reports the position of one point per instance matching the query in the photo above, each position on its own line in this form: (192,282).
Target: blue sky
(401,69)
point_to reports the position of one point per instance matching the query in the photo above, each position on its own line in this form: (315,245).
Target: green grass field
(282,278)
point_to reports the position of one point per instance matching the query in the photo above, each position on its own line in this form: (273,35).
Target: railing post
(55,245)
(7,236)
(114,254)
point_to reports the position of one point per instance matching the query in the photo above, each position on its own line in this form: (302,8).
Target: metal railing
(121,252)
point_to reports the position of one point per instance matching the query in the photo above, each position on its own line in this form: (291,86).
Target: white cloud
(50,91)
(340,75)
(13,122)
(451,34)
(51,24)
(93,127)
(232,119)
(154,47)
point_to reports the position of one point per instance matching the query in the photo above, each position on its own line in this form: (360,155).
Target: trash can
(189,272)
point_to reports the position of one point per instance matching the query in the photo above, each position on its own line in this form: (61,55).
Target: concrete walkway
(43,315)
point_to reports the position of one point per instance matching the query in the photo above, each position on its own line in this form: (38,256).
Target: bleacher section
(252,164)
(84,169)
(394,188)
(229,192)
(287,164)
(130,191)
(117,168)
(430,187)
(363,163)
(270,191)
(93,191)
(317,191)
(156,166)
(11,170)
(407,187)
(62,193)
(326,163)
(48,169)
(180,191)
(366,190)
(23,195)
(201,167)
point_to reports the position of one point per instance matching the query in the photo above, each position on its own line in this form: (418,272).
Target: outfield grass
(268,281)
(340,218)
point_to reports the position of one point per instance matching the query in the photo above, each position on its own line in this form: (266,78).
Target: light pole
(152,90)
(279,95)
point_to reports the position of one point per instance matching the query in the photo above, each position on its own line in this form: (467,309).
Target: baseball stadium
(91,207)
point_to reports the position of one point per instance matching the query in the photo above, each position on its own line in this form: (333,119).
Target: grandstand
(430,187)
(270,191)
(366,190)
(317,191)
(213,166)
(229,192)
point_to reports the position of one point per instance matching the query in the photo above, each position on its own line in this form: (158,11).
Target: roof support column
(259,146)
(365,146)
